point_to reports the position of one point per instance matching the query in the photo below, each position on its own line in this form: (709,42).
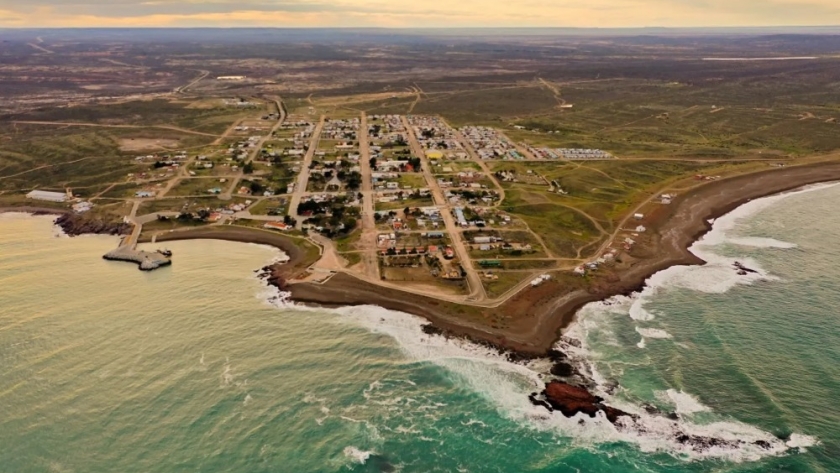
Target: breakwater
(147,261)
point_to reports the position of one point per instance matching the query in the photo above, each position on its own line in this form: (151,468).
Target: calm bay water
(105,368)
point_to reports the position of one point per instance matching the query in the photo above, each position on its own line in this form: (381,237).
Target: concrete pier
(147,261)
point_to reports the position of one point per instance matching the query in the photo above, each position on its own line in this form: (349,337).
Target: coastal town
(401,201)
(458,249)
(404,201)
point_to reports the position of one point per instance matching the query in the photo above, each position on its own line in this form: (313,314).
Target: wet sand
(542,313)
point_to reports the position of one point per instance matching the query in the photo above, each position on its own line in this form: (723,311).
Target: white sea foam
(801,441)
(507,385)
(759,242)
(653,333)
(683,402)
(356,455)
(719,274)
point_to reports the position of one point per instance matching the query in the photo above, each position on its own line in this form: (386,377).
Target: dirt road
(303,177)
(477,292)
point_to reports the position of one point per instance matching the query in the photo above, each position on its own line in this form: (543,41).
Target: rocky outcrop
(571,400)
(274,275)
(74,225)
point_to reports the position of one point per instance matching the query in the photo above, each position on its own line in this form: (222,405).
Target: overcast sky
(418,13)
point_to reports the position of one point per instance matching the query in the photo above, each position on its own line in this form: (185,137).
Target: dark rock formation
(73,225)
(743,270)
(571,400)
(563,369)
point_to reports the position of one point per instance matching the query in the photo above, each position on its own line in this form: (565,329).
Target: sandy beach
(541,313)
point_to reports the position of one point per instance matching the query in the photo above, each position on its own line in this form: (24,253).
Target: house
(638,216)
(47,196)
(244,191)
(459,215)
(144,194)
(276,226)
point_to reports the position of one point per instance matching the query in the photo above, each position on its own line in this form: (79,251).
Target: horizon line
(409,28)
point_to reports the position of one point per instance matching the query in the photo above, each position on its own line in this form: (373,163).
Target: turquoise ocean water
(104,368)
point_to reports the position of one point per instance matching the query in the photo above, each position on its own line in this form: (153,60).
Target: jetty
(146,260)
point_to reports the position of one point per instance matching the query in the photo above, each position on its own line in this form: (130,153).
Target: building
(48,196)
(459,215)
(276,226)
(449,253)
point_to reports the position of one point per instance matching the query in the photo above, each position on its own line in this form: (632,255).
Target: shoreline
(542,313)
(277,274)
(541,317)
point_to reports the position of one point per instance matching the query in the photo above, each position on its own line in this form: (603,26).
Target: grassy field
(502,283)
(181,114)
(348,242)
(600,193)
(184,204)
(401,204)
(278,205)
(194,186)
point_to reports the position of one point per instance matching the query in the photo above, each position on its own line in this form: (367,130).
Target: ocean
(202,367)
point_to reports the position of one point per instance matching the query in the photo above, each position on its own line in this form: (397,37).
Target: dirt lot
(147,144)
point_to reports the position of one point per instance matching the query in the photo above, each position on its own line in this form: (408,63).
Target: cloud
(430,13)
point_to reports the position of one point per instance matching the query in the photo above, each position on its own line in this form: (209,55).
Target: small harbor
(146,260)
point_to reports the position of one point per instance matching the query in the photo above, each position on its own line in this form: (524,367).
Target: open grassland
(158,112)
(487,105)
(599,195)
(665,118)
(79,158)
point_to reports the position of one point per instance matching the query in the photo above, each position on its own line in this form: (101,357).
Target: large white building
(48,196)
